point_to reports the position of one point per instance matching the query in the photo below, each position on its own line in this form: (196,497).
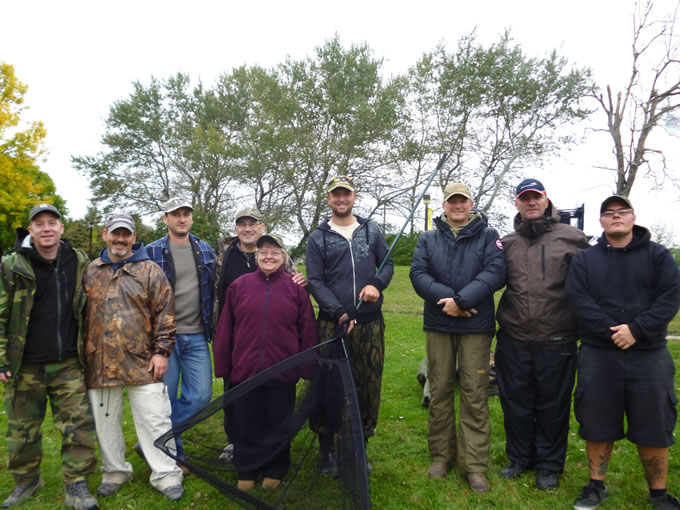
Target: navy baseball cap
(529,185)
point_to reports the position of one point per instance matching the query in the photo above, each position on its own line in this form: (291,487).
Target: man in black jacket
(342,257)
(623,292)
(456,269)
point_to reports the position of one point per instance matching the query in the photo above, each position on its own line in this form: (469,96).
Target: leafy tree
(21,146)
(650,97)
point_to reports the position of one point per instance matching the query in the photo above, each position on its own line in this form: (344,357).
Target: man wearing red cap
(536,342)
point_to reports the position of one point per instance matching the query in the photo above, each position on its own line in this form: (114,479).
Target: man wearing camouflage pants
(42,356)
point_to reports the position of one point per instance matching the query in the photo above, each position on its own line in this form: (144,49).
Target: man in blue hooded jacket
(456,269)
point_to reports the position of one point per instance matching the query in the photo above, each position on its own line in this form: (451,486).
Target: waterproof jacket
(17,291)
(338,269)
(469,268)
(130,316)
(228,252)
(638,285)
(159,252)
(265,320)
(533,307)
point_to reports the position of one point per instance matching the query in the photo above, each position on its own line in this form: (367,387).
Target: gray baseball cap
(41,208)
(121,221)
(176,203)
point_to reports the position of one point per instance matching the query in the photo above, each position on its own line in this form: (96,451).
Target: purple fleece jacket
(264,321)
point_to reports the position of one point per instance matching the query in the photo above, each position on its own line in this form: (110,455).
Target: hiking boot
(665,502)
(512,471)
(174,492)
(108,489)
(246,485)
(22,492)
(546,480)
(591,497)
(329,463)
(78,496)
(438,470)
(270,483)
(477,482)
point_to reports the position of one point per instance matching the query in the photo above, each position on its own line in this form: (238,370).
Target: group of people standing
(617,296)
(141,318)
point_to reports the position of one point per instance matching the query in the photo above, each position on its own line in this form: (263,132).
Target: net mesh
(270,414)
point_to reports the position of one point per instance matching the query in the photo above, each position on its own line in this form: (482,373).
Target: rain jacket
(338,269)
(533,307)
(17,289)
(469,268)
(130,317)
(265,320)
(638,285)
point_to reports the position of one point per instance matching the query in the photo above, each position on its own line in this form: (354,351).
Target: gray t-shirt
(187,291)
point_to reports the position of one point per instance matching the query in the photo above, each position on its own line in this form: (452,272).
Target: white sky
(78,57)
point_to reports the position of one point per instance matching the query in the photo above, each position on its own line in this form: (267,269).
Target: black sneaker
(23,492)
(546,480)
(512,471)
(665,502)
(591,497)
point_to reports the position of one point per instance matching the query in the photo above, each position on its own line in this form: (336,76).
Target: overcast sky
(78,57)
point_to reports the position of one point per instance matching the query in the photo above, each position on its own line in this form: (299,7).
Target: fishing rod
(413,211)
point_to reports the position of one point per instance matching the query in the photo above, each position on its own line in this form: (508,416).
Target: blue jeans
(190,358)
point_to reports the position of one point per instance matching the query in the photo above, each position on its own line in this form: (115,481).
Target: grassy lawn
(398,452)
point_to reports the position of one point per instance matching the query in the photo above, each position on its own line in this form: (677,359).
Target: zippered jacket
(159,252)
(338,269)
(638,285)
(469,268)
(130,317)
(17,292)
(533,307)
(265,320)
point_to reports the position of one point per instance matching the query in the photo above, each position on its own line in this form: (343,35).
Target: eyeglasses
(270,253)
(609,213)
(248,224)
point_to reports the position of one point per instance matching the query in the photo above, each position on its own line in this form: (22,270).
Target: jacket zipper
(264,326)
(60,341)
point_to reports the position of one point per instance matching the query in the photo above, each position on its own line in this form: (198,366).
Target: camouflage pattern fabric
(366,349)
(25,403)
(130,317)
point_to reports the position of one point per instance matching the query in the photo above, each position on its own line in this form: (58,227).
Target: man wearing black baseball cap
(623,292)
(536,342)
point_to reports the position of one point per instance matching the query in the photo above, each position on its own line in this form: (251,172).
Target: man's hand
(300,279)
(158,365)
(622,336)
(344,317)
(370,294)
(4,376)
(451,308)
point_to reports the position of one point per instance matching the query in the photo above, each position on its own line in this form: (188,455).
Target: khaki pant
(473,438)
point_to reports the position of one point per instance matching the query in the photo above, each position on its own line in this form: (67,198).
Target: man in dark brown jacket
(536,342)
(130,327)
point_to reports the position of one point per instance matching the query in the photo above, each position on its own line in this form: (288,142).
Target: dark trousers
(535,384)
(253,423)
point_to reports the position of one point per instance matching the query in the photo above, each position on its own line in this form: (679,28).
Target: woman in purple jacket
(266,319)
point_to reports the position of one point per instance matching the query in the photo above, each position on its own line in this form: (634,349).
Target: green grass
(398,452)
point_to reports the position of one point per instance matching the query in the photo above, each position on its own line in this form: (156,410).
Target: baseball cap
(176,203)
(529,185)
(248,212)
(614,198)
(43,208)
(340,181)
(121,220)
(456,188)
(270,238)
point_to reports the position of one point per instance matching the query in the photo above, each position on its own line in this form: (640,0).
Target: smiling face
(270,257)
(46,230)
(119,243)
(341,201)
(457,209)
(179,223)
(531,205)
(618,221)
(249,230)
